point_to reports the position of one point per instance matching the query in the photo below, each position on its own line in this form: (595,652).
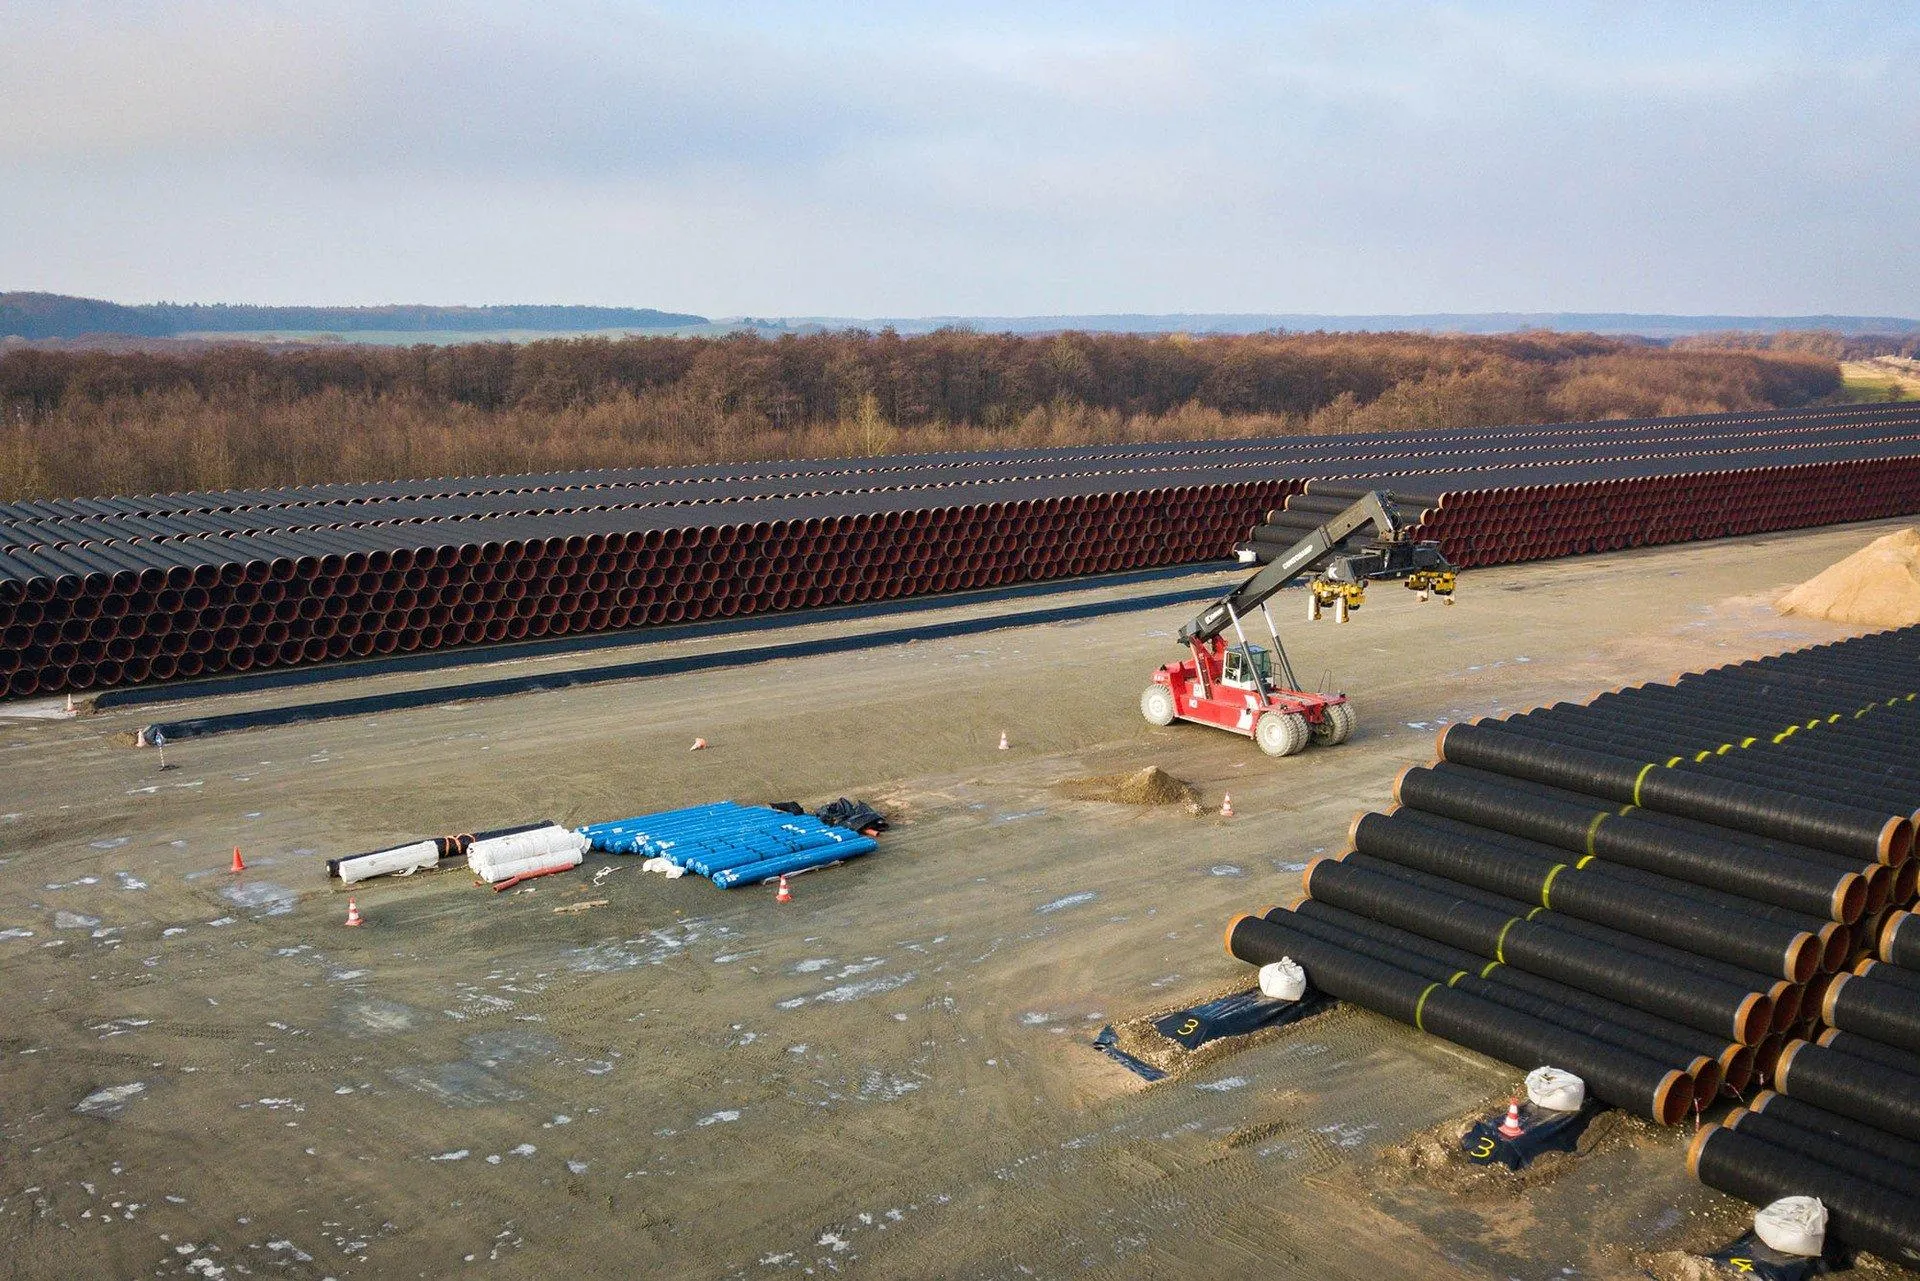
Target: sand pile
(1150,786)
(1877,586)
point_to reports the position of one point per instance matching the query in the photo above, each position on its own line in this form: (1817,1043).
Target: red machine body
(1217,687)
(1250,689)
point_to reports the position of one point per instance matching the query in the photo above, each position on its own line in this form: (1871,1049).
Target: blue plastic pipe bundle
(731,844)
(1713,871)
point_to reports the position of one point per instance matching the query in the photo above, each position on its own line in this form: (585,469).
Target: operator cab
(1237,673)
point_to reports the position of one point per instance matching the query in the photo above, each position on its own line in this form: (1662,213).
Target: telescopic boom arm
(1391,555)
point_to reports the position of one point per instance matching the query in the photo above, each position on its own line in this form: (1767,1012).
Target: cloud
(821,158)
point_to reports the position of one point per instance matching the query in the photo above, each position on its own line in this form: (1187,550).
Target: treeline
(183,318)
(1822,343)
(42,316)
(90,422)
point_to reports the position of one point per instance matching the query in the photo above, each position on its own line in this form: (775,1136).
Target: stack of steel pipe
(1710,878)
(1843,1119)
(103,592)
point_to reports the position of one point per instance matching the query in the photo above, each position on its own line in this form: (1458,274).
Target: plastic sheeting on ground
(1545,1131)
(1235,1015)
(731,844)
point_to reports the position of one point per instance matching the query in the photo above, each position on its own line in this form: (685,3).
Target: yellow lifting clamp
(1438,581)
(1343,597)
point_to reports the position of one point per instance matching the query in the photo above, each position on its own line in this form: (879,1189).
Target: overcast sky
(867,159)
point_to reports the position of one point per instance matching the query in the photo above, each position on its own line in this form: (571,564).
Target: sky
(767,158)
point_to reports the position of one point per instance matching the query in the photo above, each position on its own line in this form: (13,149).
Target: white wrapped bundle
(404,858)
(543,849)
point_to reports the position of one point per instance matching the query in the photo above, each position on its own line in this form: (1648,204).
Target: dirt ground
(208,1075)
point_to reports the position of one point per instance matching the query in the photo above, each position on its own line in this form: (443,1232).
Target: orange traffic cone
(1003,740)
(239,864)
(1226,805)
(784,894)
(353,914)
(699,745)
(1511,1127)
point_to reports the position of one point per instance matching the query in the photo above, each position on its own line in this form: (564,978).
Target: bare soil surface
(209,1075)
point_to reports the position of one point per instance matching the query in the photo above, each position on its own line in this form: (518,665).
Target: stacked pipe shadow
(96,593)
(1677,891)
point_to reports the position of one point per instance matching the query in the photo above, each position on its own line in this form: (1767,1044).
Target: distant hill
(1619,324)
(28,315)
(38,315)
(57,316)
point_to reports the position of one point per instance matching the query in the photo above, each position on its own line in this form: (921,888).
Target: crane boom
(1391,555)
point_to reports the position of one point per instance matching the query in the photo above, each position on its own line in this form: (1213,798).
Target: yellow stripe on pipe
(1546,886)
(1641,778)
(1420,1007)
(1593,829)
(1500,944)
(1584,860)
(1489,968)
(1456,977)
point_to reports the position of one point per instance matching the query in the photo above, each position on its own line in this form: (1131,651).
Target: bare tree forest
(101,422)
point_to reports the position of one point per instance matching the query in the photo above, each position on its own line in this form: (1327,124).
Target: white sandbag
(543,849)
(657,865)
(1793,1225)
(404,858)
(1283,980)
(1556,1090)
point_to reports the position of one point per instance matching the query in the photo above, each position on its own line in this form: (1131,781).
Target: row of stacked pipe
(1679,892)
(96,593)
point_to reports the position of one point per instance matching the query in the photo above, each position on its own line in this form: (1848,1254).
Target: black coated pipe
(1887,1012)
(1818,1120)
(1885,973)
(1656,1091)
(1753,761)
(1782,995)
(1585,826)
(1581,888)
(1735,1061)
(1807,820)
(1899,940)
(1875,1093)
(1865,1047)
(1863,1215)
(1827,1150)
(1704,1069)
(1548,950)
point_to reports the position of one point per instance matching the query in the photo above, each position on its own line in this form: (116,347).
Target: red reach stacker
(1250,689)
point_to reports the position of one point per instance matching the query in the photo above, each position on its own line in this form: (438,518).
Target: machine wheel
(1337,726)
(1281,733)
(1156,704)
